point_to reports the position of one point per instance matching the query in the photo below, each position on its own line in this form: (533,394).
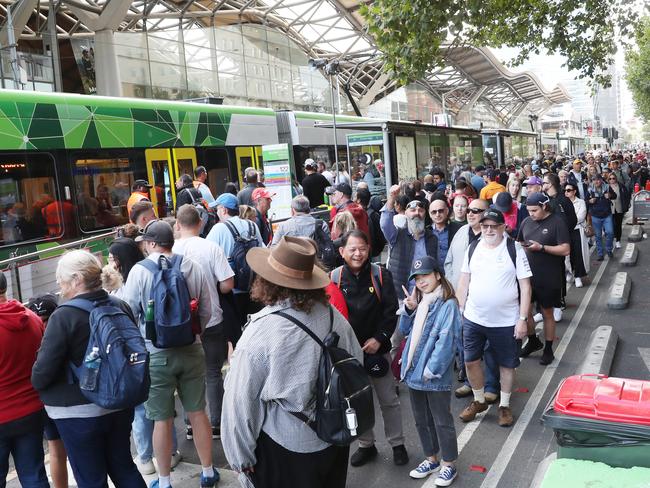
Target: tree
(637,66)
(413,34)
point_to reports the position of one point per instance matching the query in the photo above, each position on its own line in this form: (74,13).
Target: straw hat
(290,264)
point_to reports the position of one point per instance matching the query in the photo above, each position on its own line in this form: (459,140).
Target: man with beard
(409,244)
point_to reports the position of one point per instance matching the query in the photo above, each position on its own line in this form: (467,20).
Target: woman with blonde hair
(343,223)
(247,212)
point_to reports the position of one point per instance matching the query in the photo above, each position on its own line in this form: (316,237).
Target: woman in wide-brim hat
(273,372)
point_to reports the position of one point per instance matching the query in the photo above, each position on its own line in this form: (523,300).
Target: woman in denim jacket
(431,319)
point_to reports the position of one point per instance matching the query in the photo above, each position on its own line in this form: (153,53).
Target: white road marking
(507,450)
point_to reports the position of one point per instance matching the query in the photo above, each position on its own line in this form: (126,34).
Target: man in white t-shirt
(494,293)
(214,339)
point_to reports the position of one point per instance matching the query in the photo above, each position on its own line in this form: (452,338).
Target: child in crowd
(431,319)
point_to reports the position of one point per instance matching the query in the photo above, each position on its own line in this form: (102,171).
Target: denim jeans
(27,451)
(215,348)
(143,435)
(434,423)
(607,224)
(98,447)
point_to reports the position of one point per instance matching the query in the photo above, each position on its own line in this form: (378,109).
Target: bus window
(103,187)
(29,204)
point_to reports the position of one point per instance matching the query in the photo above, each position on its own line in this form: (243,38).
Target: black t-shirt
(547,268)
(313,187)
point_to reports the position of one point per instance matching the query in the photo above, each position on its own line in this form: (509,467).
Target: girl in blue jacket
(431,320)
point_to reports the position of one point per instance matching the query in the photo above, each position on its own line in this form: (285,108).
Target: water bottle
(91,370)
(149,322)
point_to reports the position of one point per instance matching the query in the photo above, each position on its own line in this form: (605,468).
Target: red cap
(261,193)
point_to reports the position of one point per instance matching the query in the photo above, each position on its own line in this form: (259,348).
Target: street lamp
(331,69)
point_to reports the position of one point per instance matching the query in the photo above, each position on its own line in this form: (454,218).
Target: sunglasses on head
(415,204)
(475,211)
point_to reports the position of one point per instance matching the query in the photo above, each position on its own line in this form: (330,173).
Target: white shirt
(493,297)
(214,264)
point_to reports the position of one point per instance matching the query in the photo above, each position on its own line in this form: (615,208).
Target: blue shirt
(443,243)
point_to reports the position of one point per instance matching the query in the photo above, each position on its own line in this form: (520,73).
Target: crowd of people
(441,282)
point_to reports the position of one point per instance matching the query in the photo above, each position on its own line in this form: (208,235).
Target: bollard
(600,351)
(619,292)
(636,234)
(630,255)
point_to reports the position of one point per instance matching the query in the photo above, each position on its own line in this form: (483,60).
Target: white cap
(309,162)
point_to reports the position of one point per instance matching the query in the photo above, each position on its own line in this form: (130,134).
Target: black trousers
(618,225)
(576,258)
(278,467)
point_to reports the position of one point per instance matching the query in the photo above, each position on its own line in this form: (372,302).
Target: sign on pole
(278,164)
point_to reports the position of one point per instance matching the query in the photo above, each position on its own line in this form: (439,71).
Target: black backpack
(510,244)
(377,238)
(326,251)
(243,273)
(343,390)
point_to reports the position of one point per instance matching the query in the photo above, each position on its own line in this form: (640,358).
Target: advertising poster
(277,179)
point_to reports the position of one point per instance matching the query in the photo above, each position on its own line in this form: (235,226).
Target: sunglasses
(569,190)
(475,211)
(490,226)
(415,204)
(612,179)
(438,211)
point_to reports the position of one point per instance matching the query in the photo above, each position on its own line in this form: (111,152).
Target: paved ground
(510,456)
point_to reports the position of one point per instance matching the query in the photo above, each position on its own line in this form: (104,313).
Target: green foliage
(413,34)
(637,64)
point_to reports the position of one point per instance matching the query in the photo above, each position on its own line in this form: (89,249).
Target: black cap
(503,202)
(376,365)
(141,183)
(493,214)
(342,187)
(43,305)
(157,231)
(423,266)
(537,198)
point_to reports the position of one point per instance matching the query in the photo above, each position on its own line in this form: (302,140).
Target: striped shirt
(273,372)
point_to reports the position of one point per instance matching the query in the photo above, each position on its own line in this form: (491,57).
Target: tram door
(159,172)
(246,157)
(184,161)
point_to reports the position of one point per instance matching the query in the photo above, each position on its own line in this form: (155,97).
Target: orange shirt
(135,197)
(491,189)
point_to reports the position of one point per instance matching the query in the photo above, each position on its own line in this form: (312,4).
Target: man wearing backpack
(494,295)
(186,193)
(200,177)
(372,306)
(236,236)
(178,363)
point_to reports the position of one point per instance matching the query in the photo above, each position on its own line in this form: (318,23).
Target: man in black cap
(546,239)
(140,192)
(341,198)
(314,184)
(494,294)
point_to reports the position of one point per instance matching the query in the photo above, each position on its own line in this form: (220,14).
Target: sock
(548,347)
(208,472)
(164,481)
(479,395)
(532,337)
(505,399)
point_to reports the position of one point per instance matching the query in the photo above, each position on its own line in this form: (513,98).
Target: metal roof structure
(331,29)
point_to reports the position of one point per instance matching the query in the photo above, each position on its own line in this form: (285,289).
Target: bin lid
(601,398)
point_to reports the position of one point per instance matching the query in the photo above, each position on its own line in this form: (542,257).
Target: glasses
(612,179)
(438,211)
(569,190)
(490,226)
(475,211)
(415,204)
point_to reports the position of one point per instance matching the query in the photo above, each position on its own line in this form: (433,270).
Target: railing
(34,273)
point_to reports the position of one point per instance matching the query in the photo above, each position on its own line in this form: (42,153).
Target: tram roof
(331,29)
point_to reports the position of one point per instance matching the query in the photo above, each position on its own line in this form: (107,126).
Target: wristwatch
(542,249)
(521,317)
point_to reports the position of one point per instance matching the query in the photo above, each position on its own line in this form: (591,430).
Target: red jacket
(337,300)
(21,332)
(357,211)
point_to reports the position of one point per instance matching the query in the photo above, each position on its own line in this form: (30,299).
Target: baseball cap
(43,305)
(227,200)
(139,183)
(537,198)
(533,180)
(425,265)
(342,187)
(503,201)
(261,193)
(310,163)
(493,214)
(157,231)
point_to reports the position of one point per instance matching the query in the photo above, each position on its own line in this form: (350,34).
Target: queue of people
(440,277)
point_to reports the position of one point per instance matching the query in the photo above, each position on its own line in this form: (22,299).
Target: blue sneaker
(446,476)
(425,468)
(210,481)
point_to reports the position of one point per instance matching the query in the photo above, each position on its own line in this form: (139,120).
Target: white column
(107,70)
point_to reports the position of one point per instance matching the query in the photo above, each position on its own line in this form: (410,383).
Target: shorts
(547,297)
(179,369)
(502,343)
(50,430)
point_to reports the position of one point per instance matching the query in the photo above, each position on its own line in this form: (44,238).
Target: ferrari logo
(371,289)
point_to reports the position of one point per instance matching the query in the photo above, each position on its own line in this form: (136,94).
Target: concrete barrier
(619,292)
(600,351)
(630,255)
(636,234)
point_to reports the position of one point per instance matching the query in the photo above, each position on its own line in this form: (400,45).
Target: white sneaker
(618,244)
(557,314)
(145,468)
(538,317)
(578,283)
(569,277)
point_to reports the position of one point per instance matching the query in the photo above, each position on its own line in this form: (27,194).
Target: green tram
(67,162)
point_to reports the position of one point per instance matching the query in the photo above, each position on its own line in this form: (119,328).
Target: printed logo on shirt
(371,290)
(544,231)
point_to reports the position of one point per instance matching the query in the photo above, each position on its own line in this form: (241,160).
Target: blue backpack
(123,373)
(171,298)
(238,263)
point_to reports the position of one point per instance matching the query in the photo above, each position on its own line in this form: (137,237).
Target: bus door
(246,157)
(159,172)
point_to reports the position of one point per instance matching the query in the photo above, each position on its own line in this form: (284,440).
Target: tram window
(29,208)
(216,163)
(103,187)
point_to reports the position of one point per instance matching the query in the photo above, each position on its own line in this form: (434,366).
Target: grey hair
(81,266)
(250,174)
(300,204)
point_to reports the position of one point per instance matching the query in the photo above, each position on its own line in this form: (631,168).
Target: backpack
(171,298)
(123,374)
(208,218)
(376,276)
(243,273)
(343,390)
(510,244)
(326,251)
